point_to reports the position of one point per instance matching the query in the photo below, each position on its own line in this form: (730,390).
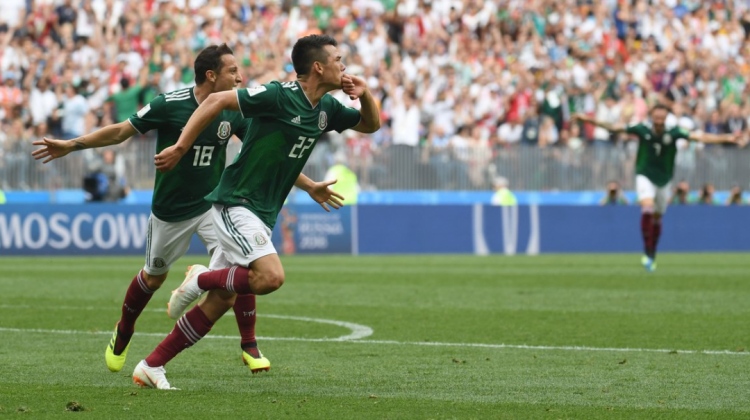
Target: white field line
(358,331)
(404,343)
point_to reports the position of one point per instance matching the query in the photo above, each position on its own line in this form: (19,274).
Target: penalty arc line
(410,343)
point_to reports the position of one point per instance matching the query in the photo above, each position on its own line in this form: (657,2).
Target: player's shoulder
(638,126)
(333,102)
(179,95)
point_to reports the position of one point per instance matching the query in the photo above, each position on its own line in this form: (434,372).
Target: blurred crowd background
(469,90)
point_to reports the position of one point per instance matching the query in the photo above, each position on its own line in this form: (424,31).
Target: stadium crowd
(469,89)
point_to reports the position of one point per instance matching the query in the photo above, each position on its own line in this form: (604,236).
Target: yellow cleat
(256,365)
(115,362)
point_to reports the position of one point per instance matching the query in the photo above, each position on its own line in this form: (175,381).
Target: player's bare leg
(648,230)
(139,293)
(190,328)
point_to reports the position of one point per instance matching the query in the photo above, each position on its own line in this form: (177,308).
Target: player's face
(659,117)
(229,75)
(334,69)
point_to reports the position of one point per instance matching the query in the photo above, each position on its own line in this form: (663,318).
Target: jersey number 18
(203,155)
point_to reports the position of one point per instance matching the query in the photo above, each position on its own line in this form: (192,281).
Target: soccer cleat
(187,293)
(146,376)
(256,364)
(115,362)
(648,263)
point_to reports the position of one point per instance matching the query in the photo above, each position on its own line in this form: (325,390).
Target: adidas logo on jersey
(297,120)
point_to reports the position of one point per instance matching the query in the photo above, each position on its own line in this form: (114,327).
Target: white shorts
(243,237)
(166,242)
(647,189)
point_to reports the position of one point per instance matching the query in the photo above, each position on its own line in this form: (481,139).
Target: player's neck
(202,91)
(313,90)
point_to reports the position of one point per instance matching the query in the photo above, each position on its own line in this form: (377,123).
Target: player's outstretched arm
(356,87)
(613,128)
(201,118)
(714,138)
(107,136)
(320,192)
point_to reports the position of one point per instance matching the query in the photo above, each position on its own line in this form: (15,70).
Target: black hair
(660,106)
(210,59)
(307,50)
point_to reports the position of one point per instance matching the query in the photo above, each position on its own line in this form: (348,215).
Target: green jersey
(179,194)
(283,132)
(656,153)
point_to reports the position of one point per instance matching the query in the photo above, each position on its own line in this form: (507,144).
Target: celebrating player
(288,119)
(178,209)
(654,168)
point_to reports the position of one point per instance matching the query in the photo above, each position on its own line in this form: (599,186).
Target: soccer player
(178,208)
(287,120)
(654,168)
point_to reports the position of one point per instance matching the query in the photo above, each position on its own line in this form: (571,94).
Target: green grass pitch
(407,337)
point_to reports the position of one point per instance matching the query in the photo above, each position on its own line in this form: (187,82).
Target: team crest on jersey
(667,139)
(648,136)
(225,130)
(322,120)
(159,262)
(259,239)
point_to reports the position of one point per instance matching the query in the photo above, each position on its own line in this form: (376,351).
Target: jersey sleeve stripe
(134,127)
(239,103)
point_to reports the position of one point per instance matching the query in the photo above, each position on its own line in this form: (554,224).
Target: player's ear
(318,67)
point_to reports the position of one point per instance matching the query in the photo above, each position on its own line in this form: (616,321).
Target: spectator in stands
(42,101)
(104,183)
(486,63)
(735,122)
(126,100)
(614,195)
(74,110)
(11,95)
(707,195)
(17,155)
(503,195)
(681,194)
(405,126)
(531,125)
(510,132)
(735,197)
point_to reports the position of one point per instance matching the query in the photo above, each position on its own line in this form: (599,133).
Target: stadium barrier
(401,168)
(107,229)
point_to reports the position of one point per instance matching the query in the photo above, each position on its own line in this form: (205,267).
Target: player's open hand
(51,149)
(167,159)
(353,86)
(325,196)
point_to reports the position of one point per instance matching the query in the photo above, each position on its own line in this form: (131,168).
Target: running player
(178,207)
(654,168)
(288,119)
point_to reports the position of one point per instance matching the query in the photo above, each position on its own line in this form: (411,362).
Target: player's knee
(154,282)
(227,298)
(271,280)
